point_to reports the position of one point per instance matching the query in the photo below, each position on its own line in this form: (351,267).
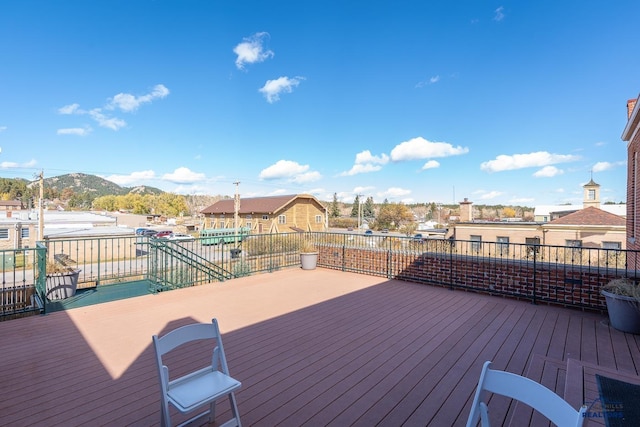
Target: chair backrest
(200,387)
(525,390)
(186,334)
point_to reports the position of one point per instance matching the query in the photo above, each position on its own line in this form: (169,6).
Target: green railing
(556,274)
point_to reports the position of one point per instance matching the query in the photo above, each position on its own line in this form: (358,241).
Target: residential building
(631,135)
(590,226)
(275,214)
(546,213)
(8,206)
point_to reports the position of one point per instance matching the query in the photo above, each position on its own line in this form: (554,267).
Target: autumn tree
(508,212)
(393,216)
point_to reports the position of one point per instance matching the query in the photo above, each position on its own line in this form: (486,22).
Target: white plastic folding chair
(525,390)
(200,388)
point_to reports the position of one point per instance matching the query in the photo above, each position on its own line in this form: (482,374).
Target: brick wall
(549,283)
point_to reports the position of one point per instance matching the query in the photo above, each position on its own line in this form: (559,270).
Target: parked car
(418,238)
(180,236)
(368,232)
(162,234)
(146,232)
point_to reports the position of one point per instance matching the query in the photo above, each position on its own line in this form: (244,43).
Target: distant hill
(81,183)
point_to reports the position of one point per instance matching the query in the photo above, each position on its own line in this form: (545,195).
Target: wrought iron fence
(557,274)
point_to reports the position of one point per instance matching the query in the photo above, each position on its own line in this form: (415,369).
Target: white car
(180,236)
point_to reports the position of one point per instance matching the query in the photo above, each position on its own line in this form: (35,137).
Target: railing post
(535,270)
(41,279)
(344,252)
(99,258)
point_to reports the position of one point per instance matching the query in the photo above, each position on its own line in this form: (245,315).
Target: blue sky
(505,102)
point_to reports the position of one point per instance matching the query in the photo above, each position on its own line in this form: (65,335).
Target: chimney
(631,104)
(466,211)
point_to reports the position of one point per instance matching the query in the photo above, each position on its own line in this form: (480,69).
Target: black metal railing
(562,275)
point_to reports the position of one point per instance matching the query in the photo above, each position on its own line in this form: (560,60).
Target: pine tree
(334,211)
(355,208)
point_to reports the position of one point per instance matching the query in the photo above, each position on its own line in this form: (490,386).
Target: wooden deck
(311,348)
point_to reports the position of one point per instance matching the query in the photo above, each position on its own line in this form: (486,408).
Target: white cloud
(491,195)
(283,169)
(183,175)
(273,88)
(133,178)
(522,200)
(128,103)
(604,166)
(307,177)
(366,162)
(394,193)
(105,121)
(504,162)
(123,101)
(251,50)
(3,128)
(75,131)
(10,165)
(365,157)
(291,171)
(420,148)
(548,172)
(432,80)
(431,164)
(70,109)
(499,14)
(358,169)
(361,190)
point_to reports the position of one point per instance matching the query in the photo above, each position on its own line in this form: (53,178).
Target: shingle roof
(590,216)
(253,205)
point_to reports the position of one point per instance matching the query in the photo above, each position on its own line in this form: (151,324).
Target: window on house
(282,219)
(476,243)
(4,233)
(318,219)
(265,217)
(24,233)
(247,224)
(533,245)
(574,251)
(502,247)
(591,194)
(612,245)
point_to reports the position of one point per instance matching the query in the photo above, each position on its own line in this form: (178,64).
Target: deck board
(311,348)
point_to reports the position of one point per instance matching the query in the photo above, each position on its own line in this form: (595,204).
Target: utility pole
(236,208)
(41,209)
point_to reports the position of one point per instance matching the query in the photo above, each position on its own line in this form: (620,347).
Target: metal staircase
(174,266)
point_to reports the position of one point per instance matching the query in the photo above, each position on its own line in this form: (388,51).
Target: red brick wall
(556,284)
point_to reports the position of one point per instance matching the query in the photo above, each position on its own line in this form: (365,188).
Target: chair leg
(484,415)
(212,411)
(234,408)
(165,417)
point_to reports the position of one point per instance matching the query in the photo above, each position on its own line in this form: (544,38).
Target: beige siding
(548,235)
